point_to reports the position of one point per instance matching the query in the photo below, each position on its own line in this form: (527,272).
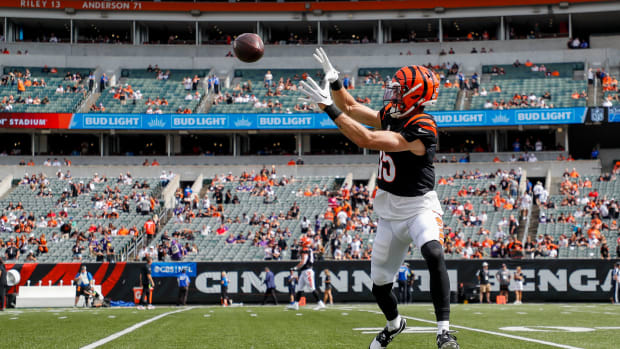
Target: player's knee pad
(432,252)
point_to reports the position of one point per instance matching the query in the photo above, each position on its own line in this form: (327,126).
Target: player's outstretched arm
(378,140)
(387,141)
(359,112)
(342,98)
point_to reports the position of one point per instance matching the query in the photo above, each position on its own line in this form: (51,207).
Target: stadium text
(297,121)
(106,5)
(199,121)
(23,122)
(104,121)
(445,118)
(359,281)
(39,4)
(551,115)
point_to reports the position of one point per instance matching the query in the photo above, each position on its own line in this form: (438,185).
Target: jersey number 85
(387,170)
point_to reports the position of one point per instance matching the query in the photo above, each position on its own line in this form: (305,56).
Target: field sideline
(339,326)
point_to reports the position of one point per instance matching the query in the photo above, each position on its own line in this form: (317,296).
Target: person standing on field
(403,276)
(406,202)
(183,280)
(224,290)
(270,287)
(485,282)
(503,275)
(291,281)
(615,284)
(327,296)
(147,283)
(518,277)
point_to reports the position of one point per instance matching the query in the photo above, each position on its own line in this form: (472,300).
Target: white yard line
(131,329)
(557,345)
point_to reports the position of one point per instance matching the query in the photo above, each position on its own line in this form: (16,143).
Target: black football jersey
(404,173)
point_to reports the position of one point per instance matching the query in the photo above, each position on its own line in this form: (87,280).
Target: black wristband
(336,85)
(332,111)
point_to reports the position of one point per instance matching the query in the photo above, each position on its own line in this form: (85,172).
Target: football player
(306,276)
(406,203)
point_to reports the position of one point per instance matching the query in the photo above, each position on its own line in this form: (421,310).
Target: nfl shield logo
(597,114)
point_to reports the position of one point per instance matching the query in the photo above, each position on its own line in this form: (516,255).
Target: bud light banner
(510,117)
(545,280)
(317,121)
(172,269)
(310,121)
(202,121)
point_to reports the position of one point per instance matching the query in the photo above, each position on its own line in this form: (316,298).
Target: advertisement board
(309,121)
(546,280)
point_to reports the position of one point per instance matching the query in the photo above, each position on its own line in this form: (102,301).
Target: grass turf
(340,326)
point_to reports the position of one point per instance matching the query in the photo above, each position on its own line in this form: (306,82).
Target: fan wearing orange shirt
(498,201)
(594,233)
(329,215)
(43,244)
(52,223)
(123,231)
(149,228)
(468,206)
(596,223)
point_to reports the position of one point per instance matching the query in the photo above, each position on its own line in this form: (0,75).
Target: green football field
(338,326)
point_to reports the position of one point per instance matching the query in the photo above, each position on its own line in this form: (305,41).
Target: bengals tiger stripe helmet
(412,87)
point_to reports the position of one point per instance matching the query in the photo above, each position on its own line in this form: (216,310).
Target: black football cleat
(385,337)
(446,340)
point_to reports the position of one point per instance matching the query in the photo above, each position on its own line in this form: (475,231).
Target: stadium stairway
(533,221)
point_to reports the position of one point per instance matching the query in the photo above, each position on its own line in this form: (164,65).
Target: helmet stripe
(425,81)
(408,76)
(400,75)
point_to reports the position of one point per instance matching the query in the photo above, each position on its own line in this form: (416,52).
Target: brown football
(248,47)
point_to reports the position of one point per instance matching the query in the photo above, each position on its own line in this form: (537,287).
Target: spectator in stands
(77,251)
(103,82)
(176,251)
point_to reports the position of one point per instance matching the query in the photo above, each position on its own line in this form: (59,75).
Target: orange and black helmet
(412,87)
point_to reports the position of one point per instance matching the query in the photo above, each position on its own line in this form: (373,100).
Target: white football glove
(315,93)
(331,74)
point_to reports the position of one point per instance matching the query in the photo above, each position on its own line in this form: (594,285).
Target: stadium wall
(360,171)
(348,58)
(545,280)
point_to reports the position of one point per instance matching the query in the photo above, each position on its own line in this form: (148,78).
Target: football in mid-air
(248,47)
